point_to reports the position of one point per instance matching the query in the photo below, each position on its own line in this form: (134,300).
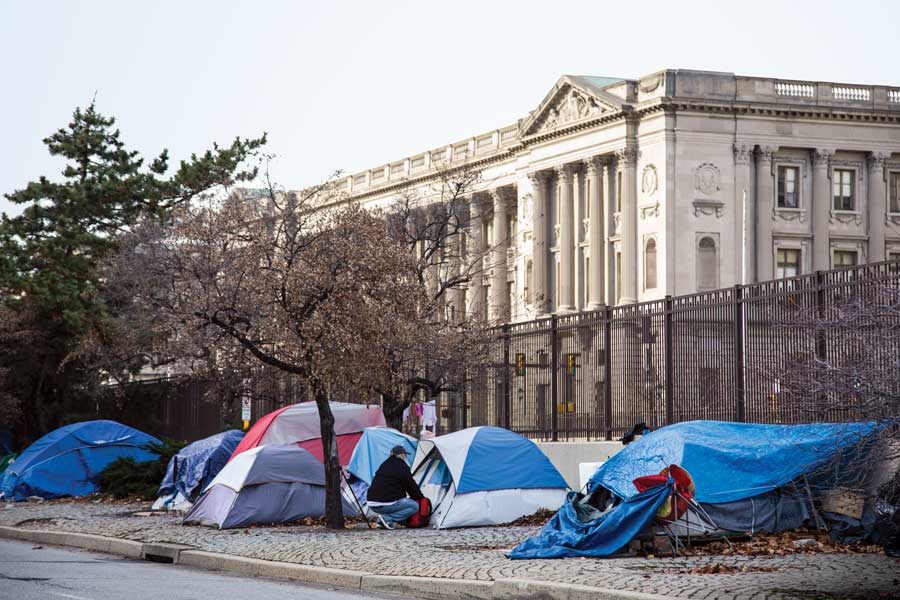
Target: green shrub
(126,477)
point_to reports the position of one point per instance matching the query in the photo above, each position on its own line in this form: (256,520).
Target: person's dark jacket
(393,481)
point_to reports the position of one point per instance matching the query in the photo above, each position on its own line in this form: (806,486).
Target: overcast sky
(351,85)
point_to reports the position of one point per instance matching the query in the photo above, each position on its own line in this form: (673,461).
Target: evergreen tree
(49,283)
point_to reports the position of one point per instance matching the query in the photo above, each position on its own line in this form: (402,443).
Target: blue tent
(730,461)
(736,468)
(190,471)
(66,462)
(374,447)
(485,476)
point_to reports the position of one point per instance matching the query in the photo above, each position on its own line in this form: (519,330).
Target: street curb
(431,588)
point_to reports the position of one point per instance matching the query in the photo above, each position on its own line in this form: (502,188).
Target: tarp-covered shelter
(264,485)
(485,476)
(747,477)
(67,461)
(190,471)
(299,424)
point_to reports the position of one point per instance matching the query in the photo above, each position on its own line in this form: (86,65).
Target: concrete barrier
(309,574)
(566,456)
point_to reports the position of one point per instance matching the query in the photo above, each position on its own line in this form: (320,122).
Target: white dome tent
(485,476)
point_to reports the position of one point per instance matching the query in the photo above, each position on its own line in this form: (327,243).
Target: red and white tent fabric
(299,424)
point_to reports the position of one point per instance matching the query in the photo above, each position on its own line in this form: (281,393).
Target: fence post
(739,334)
(554,372)
(506,382)
(821,347)
(607,369)
(670,361)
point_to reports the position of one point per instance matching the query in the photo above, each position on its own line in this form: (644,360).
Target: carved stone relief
(573,106)
(708,208)
(650,210)
(706,178)
(649,180)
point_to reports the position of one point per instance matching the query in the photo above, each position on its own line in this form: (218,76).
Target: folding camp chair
(680,514)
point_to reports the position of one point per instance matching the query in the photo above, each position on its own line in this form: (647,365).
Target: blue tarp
(568,535)
(729,461)
(66,462)
(497,459)
(374,447)
(195,465)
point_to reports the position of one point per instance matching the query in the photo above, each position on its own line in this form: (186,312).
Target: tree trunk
(334,512)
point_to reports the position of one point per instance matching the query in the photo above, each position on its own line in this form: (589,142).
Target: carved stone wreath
(706,178)
(649,180)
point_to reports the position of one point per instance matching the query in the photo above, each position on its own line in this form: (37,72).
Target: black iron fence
(711,355)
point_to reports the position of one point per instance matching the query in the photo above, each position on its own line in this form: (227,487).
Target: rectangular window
(842,186)
(587,281)
(845,258)
(788,190)
(618,277)
(787,263)
(489,310)
(619,191)
(893,255)
(894,192)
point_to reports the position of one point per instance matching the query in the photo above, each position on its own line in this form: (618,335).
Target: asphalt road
(32,572)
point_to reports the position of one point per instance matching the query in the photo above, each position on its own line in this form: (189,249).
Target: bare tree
(850,370)
(278,282)
(433,221)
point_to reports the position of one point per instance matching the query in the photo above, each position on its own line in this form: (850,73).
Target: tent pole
(358,505)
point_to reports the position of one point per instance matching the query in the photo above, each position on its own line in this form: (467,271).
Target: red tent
(299,424)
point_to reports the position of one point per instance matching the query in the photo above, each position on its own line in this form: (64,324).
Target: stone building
(615,191)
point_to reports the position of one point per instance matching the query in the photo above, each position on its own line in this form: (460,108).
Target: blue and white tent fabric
(191,470)
(373,448)
(485,476)
(67,461)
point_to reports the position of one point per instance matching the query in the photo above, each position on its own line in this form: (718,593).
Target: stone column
(765,197)
(628,158)
(746,266)
(457,293)
(594,172)
(499,291)
(609,211)
(566,301)
(876,203)
(540,251)
(821,209)
(475,252)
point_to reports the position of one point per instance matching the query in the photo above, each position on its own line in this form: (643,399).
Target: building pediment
(571,100)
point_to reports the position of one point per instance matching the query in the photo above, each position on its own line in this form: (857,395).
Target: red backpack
(420,518)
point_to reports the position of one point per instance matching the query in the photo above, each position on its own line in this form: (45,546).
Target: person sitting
(387,496)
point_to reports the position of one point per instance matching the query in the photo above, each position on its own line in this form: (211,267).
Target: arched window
(707,265)
(650,264)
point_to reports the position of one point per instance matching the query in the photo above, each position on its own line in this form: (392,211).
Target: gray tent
(264,485)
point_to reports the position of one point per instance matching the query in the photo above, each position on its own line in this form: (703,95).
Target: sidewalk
(478,555)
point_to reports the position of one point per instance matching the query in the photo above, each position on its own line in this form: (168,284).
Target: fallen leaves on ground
(718,568)
(781,544)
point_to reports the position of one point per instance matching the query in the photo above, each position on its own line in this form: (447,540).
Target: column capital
(765,153)
(821,157)
(743,153)
(566,172)
(539,177)
(594,164)
(875,160)
(627,155)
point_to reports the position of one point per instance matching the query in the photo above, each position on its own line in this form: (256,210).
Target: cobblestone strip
(475,554)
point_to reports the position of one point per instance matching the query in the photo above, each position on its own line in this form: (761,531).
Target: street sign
(245,410)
